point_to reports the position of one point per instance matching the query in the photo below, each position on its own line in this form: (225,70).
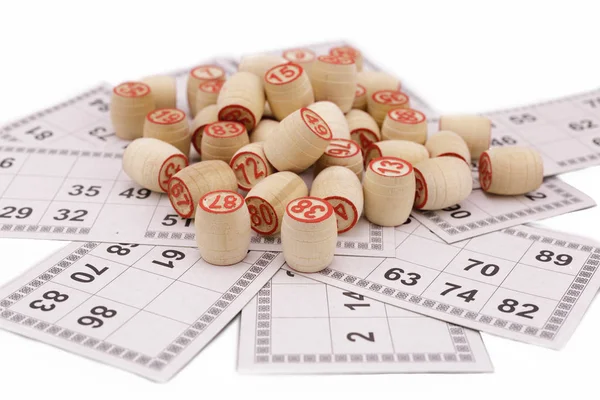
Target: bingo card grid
(83,121)
(483,212)
(522,283)
(84,195)
(566,131)
(295,324)
(127,296)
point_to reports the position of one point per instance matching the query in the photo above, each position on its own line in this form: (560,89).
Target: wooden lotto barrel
(360,98)
(448,143)
(221,139)
(187,186)
(288,89)
(343,190)
(334,117)
(374,81)
(303,57)
(510,170)
(403,149)
(334,79)
(309,234)
(363,128)
(298,141)
(222,225)
(164,90)
(343,153)
(151,163)
(259,64)
(198,76)
(242,99)
(250,165)
(389,190)
(263,130)
(207,94)
(474,129)
(405,124)
(348,52)
(442,182)
(129,105)
(268,198)
(169,125)
(381,102)
(206,116)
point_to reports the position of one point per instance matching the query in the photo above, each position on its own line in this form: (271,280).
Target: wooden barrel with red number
(198,76)
(250,165)
(129,105)
(303,57)
(442,182)
(377,80)
(220,140)
(259,64)
(222,227)
(382,101)
(511,170)
(343,190)
(151,163)
(343,153)
(360,98)
(363,128)
(188,185)
(348,52)
(309,234)
(405,124)
(169,125)
(298,141)
(403,149)
(476,131)
(207,115)
(288,89)
(335,118)
(269,197)
(334,79)
(263,130)
(164,90)
(448,143)
(389,189)
(242,99)
(207,94)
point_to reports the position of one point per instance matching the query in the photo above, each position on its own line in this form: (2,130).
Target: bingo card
(83,121)
(146,309)
(566,131)
(297,325)
(483,212)
(82,195)
(522,283)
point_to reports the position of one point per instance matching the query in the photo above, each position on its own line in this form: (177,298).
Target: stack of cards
(395,300)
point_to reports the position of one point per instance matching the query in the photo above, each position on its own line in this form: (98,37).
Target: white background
(459,56)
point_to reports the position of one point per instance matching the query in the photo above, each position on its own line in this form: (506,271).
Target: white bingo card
(522,283)
(146,309)
(83,121)
(566,131)
(483,212)
(84,195)
(298,325)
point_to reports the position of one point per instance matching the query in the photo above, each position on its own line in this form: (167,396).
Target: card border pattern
(552,325)
(168,354)
(569,199)
(262,344)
